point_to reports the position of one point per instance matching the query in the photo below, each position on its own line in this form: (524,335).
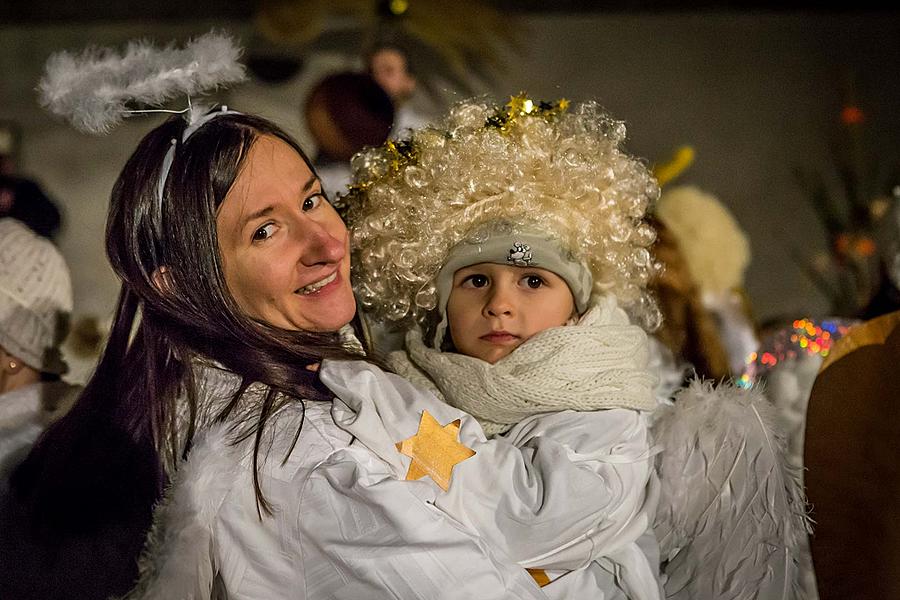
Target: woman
(239,267)
(139,411)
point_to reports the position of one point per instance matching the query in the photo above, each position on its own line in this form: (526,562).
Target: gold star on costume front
(434,450)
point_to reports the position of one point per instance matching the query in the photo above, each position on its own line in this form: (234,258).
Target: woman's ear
(162,281)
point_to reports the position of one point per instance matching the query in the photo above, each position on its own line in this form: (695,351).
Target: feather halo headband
(96,89)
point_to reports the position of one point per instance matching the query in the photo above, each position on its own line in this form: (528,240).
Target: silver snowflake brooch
(520,255)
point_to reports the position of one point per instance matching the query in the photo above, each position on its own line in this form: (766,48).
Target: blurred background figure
(388,64)
(22,198)
(716,254)
(785,367)
(707,325)
(345,112)
(35,303)
(886,235)
(688,331)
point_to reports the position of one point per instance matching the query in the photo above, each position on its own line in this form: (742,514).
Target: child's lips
(500,337)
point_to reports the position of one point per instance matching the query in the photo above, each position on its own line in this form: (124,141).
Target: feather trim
(178,559)
(732,512)
(93,90)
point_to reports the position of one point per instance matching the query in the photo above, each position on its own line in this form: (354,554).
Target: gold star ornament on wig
(434,449)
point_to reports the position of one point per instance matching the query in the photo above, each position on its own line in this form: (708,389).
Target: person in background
(22,198)
(35,303)
(388,64)
(345,112)
(688,338)
(716,253)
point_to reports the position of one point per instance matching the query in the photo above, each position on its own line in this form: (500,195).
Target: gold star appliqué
(434,450)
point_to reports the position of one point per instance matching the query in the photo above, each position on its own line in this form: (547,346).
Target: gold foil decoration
(523,106)
(434,450)
(539,576)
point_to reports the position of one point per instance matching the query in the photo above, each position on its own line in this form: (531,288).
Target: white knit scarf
(598,363)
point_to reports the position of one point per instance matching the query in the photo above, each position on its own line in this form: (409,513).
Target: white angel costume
(348,524)
(731,518)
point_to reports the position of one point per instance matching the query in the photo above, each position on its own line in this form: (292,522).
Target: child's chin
(493,356)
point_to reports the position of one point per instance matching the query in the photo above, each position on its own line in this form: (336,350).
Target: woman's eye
(476,281)
(313,201)
(264,232)
(533,281)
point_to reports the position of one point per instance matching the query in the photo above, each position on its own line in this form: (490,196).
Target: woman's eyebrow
(308,185)
(256,214)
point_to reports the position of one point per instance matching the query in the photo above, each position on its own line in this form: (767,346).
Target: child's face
(494,308)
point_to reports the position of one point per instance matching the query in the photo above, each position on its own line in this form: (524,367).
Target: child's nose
(499,304)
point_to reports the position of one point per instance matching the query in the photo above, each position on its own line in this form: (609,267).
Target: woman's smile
(320,287)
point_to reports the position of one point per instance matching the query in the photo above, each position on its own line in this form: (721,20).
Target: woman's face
(285,250)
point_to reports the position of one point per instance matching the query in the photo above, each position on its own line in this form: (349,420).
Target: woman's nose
(321,245)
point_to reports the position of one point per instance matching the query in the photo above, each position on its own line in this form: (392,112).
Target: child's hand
(313,367)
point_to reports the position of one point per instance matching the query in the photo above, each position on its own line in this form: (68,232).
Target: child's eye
(533,281)
(264,232)
(313,202)
(475,281)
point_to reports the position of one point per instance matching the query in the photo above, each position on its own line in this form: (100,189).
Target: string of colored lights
(805,336)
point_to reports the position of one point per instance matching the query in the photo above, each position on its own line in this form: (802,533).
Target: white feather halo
(94,90)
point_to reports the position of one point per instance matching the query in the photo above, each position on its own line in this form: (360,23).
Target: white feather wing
(732,512)
(95,90)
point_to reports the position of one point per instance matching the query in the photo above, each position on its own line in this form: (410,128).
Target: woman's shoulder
(302,434)
(212,492)
(298,433)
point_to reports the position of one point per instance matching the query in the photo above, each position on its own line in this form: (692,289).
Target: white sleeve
(555,492)
(366,534)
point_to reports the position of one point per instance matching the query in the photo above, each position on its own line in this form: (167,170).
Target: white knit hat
(35,297)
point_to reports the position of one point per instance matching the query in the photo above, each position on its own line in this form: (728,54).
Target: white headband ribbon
(170,153)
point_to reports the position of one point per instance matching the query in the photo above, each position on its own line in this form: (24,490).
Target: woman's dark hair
(145,380)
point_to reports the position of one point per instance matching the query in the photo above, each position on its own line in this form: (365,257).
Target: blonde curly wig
(546,167)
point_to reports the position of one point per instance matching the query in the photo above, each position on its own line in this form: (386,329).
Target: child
(512,237)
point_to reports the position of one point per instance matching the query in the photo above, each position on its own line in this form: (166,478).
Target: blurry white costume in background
(785,366)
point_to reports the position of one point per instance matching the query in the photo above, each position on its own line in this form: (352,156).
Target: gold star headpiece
(398,154)
(522,106)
